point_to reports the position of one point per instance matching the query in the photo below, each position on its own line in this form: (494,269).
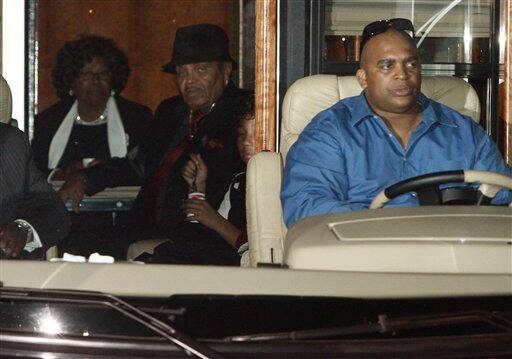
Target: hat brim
(171,66)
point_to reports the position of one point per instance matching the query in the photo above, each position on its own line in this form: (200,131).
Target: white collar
(117,138)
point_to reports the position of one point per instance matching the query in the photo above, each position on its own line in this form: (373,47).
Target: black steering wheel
(429,192)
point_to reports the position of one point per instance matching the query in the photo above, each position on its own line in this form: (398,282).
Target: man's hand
(73,189)
(67,173)
(12,239)
(203,213)
(195,169)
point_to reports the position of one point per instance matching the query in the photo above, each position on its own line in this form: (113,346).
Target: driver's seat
(303,100)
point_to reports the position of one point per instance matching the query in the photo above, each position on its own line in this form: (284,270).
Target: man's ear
(361,78)
(227,68)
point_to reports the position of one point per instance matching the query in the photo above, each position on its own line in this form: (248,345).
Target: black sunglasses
(378,27)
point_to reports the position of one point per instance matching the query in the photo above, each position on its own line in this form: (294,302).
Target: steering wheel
(429,193)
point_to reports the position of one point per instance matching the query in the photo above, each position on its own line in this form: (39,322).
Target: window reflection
(447,31)
(48,324)
(58,319)
(144,30)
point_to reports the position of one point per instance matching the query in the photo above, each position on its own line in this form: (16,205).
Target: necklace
(99,121)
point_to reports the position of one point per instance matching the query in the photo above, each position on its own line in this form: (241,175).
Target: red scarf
(159,178)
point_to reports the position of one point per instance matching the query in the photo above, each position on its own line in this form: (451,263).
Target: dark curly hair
(74,55)
(243,108)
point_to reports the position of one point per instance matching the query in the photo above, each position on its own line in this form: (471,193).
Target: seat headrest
(310,95)
(5,101)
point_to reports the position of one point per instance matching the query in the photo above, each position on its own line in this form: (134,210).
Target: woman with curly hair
(91,122)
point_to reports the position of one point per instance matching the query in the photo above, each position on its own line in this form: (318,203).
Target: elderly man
(32,218)
(389,133)
(199,120)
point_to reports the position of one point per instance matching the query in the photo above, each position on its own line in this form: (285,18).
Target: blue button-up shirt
(347,155)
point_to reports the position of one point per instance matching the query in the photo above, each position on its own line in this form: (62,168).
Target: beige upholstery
(52,252)
(310,95)
(146,246)
(5,101)
(303,100)
(265,229)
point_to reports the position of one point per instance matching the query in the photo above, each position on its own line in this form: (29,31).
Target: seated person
(209,235)
(32,218)
(90,124)
(91,121)
(390,132)
(198,120)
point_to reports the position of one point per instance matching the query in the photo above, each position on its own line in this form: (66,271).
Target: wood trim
(508,84)
(265,67)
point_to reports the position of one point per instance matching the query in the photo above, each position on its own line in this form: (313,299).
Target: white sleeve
(35,242)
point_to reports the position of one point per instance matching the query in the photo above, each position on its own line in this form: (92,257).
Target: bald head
(390,73)
(394,33)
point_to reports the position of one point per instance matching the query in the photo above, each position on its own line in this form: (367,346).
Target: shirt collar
(431,111)
(361,110)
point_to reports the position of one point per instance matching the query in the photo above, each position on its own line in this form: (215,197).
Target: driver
(390,132)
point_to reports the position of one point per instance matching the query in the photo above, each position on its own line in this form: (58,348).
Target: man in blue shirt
(391,132)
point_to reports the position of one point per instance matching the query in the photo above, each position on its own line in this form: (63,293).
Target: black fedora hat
(199,43)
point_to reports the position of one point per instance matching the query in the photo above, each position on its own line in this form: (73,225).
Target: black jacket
(192,243)
(24,192)
(135,117)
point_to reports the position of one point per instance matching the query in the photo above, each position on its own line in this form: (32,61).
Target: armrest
(265,227)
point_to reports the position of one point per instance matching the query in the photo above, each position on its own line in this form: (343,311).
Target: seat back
(303,100)
(265,226)
(5,101)
(310,95)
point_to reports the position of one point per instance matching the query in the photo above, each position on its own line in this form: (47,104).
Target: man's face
(390,74)
(202,84)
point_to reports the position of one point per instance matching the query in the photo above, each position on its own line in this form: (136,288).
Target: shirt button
(390,134)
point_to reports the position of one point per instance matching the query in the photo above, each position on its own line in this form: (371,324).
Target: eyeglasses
(100,76)
(381,26)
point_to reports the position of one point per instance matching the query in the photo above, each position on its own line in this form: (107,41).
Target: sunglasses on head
(378,27)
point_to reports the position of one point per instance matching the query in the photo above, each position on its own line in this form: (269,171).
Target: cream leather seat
(141,247)
(5,101)
(303,100)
